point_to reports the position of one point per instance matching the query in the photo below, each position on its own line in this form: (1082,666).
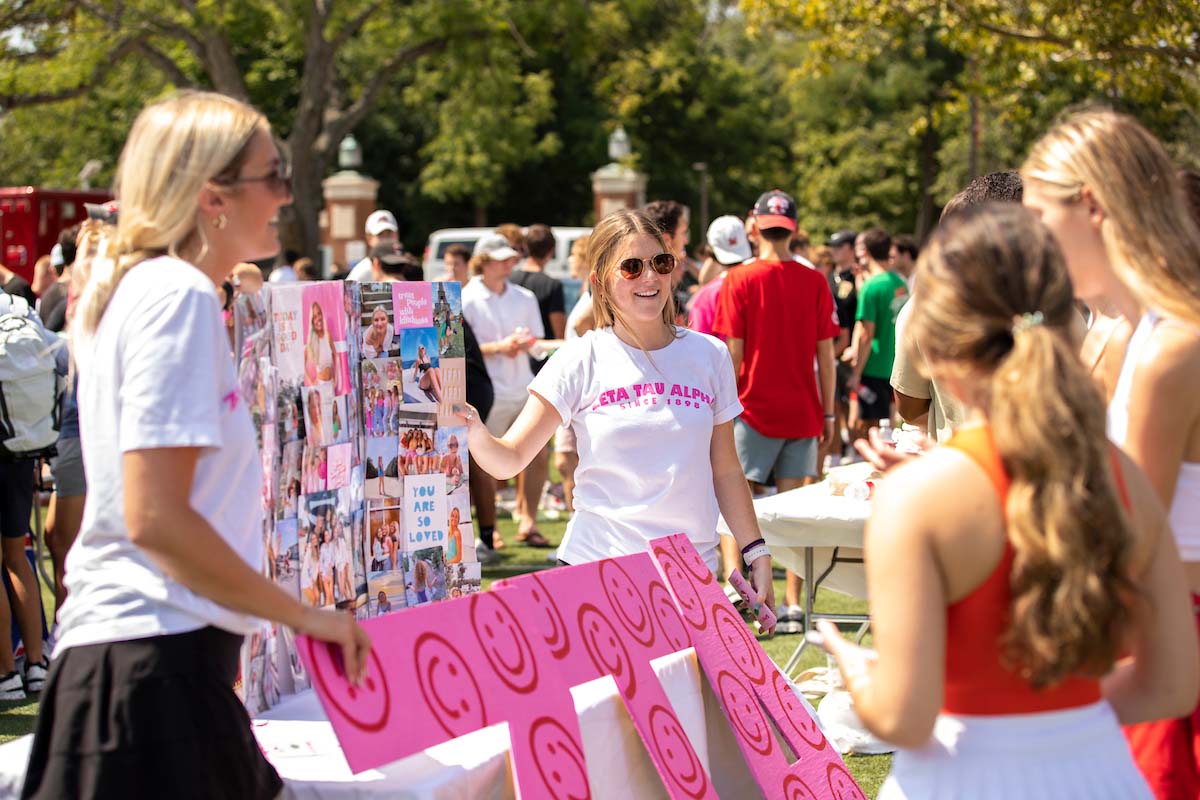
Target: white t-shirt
(282,274)
(493,317)
(362,272)
(158,373)
(643,432)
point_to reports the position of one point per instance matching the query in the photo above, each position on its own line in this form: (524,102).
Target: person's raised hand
(469,415)
(884,455)
(340,628)
(854,662)
(763,582)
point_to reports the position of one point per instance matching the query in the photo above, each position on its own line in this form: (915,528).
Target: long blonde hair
(175,147)
(604,249)
(1149,234)
(986,268)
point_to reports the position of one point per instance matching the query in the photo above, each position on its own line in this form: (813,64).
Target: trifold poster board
(365,500)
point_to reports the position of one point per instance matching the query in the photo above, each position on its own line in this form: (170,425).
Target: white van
(435,250)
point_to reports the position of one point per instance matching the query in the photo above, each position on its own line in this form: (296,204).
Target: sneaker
(485,554)
(791,620)
(11,687)
(35,675)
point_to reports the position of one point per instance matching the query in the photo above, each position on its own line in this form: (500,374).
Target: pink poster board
(611,618)
(443,670)
(751,690)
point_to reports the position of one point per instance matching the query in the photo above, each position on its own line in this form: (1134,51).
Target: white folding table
(809,526)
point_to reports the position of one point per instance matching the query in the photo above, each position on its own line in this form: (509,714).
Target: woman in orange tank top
(1010,570)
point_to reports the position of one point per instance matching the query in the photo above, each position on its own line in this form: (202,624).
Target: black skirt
(153,718)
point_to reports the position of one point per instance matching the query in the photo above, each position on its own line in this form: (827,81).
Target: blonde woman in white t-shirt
(165,578)
(652,406)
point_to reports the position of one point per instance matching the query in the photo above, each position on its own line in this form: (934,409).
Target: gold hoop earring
(220,222)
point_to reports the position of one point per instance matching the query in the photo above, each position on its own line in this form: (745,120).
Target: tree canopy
(473,111)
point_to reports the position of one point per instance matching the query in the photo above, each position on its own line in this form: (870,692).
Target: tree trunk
(302,232)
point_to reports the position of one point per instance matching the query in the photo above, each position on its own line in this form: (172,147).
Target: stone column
(349,199)
(616,187)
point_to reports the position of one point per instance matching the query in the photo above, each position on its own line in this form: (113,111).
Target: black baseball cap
(842,237)
(775,209)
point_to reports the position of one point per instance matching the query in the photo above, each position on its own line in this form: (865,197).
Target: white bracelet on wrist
(754,553)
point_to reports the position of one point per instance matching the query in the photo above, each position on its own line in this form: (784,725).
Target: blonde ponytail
(994,308)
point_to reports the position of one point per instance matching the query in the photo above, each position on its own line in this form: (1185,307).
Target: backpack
(30,387)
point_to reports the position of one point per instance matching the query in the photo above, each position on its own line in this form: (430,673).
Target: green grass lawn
(17,718)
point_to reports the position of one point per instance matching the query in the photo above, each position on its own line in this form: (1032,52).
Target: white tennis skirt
(1079,754)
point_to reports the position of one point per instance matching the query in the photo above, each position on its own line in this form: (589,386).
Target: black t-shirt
(53,308)
(549,294)
(479,386)
(19,287)
(845,296)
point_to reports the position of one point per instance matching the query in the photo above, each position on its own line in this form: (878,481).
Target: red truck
(31,219)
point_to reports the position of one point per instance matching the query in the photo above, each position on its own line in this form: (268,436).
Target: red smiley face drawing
(365,706)
(744,712)
(549,620)
(503,642)
(690,604)
(797,724)
(841,785)
(605,649)
(691,560)
(668,617)
(796,789)
(675,753)
(627,601)
(559,760)
(448,686)
(741,647)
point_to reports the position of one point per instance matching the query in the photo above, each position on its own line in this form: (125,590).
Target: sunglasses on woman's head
(663,264)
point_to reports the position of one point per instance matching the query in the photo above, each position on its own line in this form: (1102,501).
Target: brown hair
(987,268)
(1148,230)
(605,248)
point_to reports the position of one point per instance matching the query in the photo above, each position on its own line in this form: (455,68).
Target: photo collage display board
(366,504)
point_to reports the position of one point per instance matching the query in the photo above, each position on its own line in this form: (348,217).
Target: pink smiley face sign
(440,671)
(747,683)
(616,623)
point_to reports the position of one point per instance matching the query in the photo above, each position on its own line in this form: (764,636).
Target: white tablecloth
(811,517)
(300,743)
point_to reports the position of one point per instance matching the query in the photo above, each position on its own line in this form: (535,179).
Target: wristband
(756,552)
(830,417)
(755,543)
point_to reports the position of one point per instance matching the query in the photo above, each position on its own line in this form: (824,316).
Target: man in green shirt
(873,347)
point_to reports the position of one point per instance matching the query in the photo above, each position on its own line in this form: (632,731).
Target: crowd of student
(1029,578)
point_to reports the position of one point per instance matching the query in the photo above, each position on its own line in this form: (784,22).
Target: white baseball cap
(380,221)
(495,247)
(727,238)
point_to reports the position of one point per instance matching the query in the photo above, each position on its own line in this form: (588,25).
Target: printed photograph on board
(377,330)
(317,512)
(424,576)
(381,395)
(448,320)
(385,575)
(419,357)
(463,579)
(326,360)
(451,446)
(417,442)
(381,470)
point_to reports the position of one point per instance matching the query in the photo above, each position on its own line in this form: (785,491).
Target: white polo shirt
(493,317)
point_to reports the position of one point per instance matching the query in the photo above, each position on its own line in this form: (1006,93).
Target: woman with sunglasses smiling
(165,578)
(652,406)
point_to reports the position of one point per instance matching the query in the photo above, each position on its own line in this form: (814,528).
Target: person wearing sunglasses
(652,406)
(165,578)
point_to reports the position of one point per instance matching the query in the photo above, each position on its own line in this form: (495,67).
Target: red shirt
(780,310)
